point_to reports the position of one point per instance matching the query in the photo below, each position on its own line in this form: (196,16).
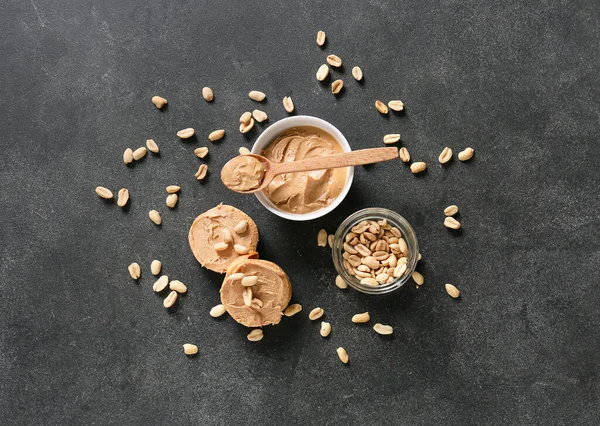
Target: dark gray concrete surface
(81,343)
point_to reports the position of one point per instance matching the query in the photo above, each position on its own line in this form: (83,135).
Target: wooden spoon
(345,159)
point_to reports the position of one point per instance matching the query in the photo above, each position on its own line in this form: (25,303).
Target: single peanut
(155,267)
(361,318)
(451,210)
(316,314)
(381,107)
(122,197)
(186,133)
(404,155)
(201,173)
(172,200)
(172,189)
(128,156)
(334,61)
(288,104)
(259,116)
(342,355)
(170,299)
(139,153)
(467,154)
(321,38)
(190,349)
(391,138)
(451,223)
(155,217)
(292,310)
(325,329)
(452,291)
(152,146)
(207,94)
(337,86)
(134,270)
(257,96)
(161,284)
(217,311)
(396,105)
(357,73)
(418,167)
(216,135)
(445,156)
(159,101)
(322,72)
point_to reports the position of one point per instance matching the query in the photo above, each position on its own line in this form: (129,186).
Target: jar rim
(375,213)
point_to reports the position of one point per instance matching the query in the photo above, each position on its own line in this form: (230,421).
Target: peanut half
(207,94)
(321,38)
(170,299)
(201,173)
(315,314)
(128,156)
(178,286)
(155,267)
(391,138)
(357,73)
(246,127)
(467,154)
(342,355)
(172,189)
(452,291)
(201,152)
(217,311)
(160,284)
(445,156)
(122,197)
(134,270)
(325,329)
(288,104)
(451,223)
(381,107)
(186,133)
(322,72)
(152,146)
(418,278)
(361,318)
(139,153)
(322,238)
(245,117)
(334,61)
(216,135)
(243,150)
(383,329)
(172,200)
(257,96)
(451,210)
(337,86)
(292,310)
(396,105)
(340,283)
(255,335)
(404,155)
(418,167)
(159,101)
(259,116)
(190,349)
(155,217)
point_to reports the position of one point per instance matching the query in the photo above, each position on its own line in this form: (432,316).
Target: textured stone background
(81,343)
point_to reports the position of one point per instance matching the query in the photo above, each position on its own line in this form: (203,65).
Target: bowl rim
(272,132)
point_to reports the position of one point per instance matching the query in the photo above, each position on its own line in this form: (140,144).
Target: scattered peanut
(381,107)
(172,189)
(418,167)
(404,155)
(334,61)
(216,135)
(207,94)
(288,104)
(418,278)
(152,146)
(321,38)
(396,105)
(134,270)
(452,291)
(361,318)
(243,150)
(357,73)
(257,96)
(330,239)
(316,314)
(322,238)
(155,267)
(342,355)
(190,349)
(245,117)
(259,115)
(255,335)
(451,210)
(340,283)
(178,286)
(445,156)
(139,153)
(383,329)
(155,217)
(186,133)
(292,310)
(201,173)
(159,101)
(128,156)
(391,138)
(217,311)
(322,72)
(170,299)
(122,197)
(201,152)
(241,227)
(246,127)
(161,284)
(467,154)
(337,86)
(172,200)
(451,223)
(325,329)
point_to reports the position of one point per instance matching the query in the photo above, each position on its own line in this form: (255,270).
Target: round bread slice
(259,304)
(215,226)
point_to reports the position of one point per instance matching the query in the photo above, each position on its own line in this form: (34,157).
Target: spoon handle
(345,159)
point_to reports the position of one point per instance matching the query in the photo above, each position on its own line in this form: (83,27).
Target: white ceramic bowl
(272,132)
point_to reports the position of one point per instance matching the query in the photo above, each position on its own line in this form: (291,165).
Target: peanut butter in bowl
(304,192)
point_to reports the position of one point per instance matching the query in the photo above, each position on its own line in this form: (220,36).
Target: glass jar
(375,214)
